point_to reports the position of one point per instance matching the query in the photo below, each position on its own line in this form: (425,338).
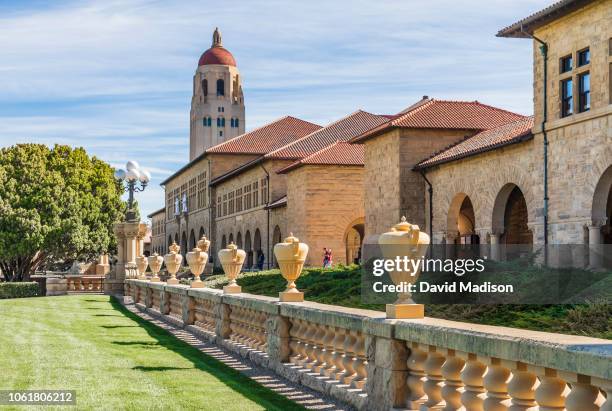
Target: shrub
(19,290)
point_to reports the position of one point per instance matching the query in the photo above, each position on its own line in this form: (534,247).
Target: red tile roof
(217,55)
(503,135)
(443,114)
(541,18)
(339,153)
(266,138)
(342,130)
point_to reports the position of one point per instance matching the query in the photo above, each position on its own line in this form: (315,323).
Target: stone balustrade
(85,283)
(374,363)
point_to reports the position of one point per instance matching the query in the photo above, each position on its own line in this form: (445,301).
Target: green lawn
(115,360)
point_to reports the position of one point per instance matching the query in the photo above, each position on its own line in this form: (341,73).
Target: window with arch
(232,122)
(236,123)
(205,87)
(220,87)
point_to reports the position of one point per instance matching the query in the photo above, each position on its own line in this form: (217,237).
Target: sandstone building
(464,171)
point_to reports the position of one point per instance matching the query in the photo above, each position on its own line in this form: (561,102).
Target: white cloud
(115,76)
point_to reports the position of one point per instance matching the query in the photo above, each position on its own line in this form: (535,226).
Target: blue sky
(115,76)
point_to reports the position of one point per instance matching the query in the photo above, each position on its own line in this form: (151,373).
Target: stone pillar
(103,266)
(595,245)
(450,238)
(222,328)
(387,373)
(278,339)
(495,247)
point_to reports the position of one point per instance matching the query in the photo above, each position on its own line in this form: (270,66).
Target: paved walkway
(302,395)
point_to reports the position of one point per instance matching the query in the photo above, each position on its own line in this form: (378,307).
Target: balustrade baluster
(338,369)
(360,363)
(416,376)
(552,391)
(348,358)
(606,387)
(496,384)
(304,330)
(433,380)
(472,377)
(582,395)
(453,387)
(328,352)
(294,342)
(522,387)
(310,348)
(318,351)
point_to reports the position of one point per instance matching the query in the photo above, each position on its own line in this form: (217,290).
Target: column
(495,251)
(595,246)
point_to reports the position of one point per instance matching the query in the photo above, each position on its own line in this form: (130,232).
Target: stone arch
(176,239)
(239,240)
(601,209)
(353,240)
(169,240)
(511,216)
(201,233)
(223,241)
(231,238)
(248,249)
(461,222)
(276,238)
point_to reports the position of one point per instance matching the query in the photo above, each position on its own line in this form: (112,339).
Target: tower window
(566,64)
(232,123)
(205,87)
(584,92)
(584,57)
(236,122)
(209,121)
(220,87)
(567,98)
(220,133)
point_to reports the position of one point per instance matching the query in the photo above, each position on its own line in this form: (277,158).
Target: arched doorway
(461,221)
(257,249)
(248,249)
(231,238)
(510,216)
(239,240)
(276,238)
(201,234)
(353,239)
(184,244)
(192,240)
(601,213)
(223,242)
(169,241)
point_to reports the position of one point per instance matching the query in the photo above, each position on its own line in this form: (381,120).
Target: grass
(115,360)
(342,286)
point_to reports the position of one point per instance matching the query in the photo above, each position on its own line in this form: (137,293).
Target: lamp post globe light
(132,175)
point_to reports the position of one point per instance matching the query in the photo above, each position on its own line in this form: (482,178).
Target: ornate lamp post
(132,175)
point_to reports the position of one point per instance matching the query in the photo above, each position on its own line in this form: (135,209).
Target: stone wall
(392,189)
(323,203)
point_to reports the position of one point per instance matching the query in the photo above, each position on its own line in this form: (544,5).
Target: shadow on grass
(238,382)
(108,327)
(151,369)
(107,315)
(143,343)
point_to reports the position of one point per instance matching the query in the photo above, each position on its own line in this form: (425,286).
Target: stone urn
(155,262)
(231,259)
(197,259)
(404,240)
(173,262)
(290,255)
(142,263)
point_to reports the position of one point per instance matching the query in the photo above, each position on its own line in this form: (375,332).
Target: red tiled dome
(217,55)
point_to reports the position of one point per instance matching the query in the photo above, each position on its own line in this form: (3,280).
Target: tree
(55,204)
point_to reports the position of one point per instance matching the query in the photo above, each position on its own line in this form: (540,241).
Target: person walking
(329,258)
(325,257)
